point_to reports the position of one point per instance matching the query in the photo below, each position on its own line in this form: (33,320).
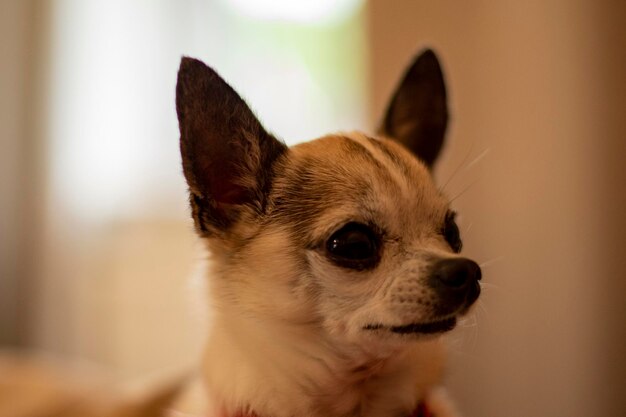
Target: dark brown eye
(450,232)
(354,246)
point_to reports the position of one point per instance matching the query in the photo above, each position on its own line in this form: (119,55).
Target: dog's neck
(284,370)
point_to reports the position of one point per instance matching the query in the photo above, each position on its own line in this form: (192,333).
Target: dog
(334,264)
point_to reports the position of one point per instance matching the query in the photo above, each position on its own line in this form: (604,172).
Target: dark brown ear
(418,114)
(227,154)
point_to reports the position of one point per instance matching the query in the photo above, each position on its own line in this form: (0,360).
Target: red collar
(421,410)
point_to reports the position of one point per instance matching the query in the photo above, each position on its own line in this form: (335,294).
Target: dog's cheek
(271,275)
(342,294)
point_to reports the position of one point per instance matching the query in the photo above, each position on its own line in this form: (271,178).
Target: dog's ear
(418,114)
(227,154)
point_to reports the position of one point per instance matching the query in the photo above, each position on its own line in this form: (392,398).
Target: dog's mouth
(417,328)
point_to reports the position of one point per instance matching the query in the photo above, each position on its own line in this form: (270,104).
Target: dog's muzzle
(455,286)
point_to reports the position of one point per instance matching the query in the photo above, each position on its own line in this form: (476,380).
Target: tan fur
(318,361)
(300,329)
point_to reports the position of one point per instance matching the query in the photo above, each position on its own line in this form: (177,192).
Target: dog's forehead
(354,177)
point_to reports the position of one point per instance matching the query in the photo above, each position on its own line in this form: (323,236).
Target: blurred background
(98,260)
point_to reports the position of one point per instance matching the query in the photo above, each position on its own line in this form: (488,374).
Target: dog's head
(347,232)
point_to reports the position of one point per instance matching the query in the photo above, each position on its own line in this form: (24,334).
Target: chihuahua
(335,263)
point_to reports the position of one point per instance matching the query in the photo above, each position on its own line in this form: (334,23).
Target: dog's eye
(354,246)
(451,232)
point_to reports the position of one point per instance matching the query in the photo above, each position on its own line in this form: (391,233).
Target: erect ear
(418,114)
(227,154)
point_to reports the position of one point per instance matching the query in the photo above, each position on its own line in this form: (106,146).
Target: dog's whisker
(464,165)
(464,190)
(477,159)
(488,286)
(470,323)
(490,262)
(458,168)
(479,311)
(481,308)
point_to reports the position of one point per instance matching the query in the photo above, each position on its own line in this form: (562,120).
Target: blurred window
(113,129)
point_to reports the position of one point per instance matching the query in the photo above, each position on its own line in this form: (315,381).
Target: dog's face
(346,233)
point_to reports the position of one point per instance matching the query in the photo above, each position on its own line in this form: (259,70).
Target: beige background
(540,86)
(536,160)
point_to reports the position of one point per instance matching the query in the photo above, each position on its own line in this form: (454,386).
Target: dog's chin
(413,330)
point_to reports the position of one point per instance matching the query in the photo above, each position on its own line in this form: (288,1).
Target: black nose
(455,273)
(455,281)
